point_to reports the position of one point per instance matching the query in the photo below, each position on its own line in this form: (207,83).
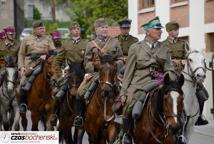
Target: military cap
(125,23)
(9,30)
(56,35)
(2,34)
(38,23)
(172,26)
(74,24)
(100,22)
(153,23)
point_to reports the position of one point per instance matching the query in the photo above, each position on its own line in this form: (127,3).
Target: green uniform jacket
(70,52)
(9,48)
(126,42)
(177,49)
(137,71)
(32,44)
(112,48)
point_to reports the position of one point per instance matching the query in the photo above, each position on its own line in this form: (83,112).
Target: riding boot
(201,120)
(126,139)
(79,109)
(138,106)
(55,113)
(23,101)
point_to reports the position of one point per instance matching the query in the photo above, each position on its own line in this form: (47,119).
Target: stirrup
(78,121)
(23,108)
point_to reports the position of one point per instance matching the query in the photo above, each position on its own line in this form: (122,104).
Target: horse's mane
(77,69)
(106,59)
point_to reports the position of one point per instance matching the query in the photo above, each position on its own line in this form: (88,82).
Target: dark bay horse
(9,110)
(99,117)
(161,118)
(73,78)
(39,98)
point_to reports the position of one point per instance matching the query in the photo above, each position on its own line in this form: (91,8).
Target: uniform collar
(124,37)
(102,39)
(172,40)
(76,40)
(150,43)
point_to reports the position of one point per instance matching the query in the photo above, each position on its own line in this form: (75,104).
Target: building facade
(45,9)
(196,20)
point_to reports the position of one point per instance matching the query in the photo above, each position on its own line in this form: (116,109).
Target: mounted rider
(8,47)
(103,44)
(72,53)
(178,49)
(56,37)
(147,60)
(33,48)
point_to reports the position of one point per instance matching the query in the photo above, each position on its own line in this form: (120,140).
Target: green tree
(87,11)
(36,14)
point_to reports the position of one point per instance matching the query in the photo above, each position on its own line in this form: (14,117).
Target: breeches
(133,95)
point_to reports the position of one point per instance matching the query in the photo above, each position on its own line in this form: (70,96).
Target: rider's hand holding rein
(43,57)
(22,71)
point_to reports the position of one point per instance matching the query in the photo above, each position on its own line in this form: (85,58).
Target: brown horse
(161,118)
(67,110)
(99,123)
(39,99)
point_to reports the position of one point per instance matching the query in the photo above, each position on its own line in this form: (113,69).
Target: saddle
(30,78)
(88,86)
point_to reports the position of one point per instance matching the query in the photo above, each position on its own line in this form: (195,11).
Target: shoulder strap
(101,49)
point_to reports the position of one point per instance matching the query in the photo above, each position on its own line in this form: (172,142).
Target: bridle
(190,72)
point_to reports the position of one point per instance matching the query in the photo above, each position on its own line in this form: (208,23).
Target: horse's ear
(181,80)
(166,78)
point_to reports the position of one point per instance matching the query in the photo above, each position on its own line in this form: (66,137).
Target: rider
(145,58)
(72,52)
(178,49)
(36,44)
(8,46)
(56,37)
(125,39)
(102,44)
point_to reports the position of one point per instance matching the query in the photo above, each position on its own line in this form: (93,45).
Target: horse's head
(196,66)
(11,73)
(75,76)
(107,73)
(173,101)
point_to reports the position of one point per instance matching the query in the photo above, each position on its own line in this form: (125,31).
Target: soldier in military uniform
(9,46)
(144,58)
(103,44)
(178,49)
(56,37)
(36,44)
(72,53)
(125,39)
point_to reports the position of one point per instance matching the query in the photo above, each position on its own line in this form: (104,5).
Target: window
(177,1)
(143,4)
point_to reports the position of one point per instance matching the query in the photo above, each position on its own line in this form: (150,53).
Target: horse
(9,110)
(67,113)
(99,117)
(39,97)
(161,120)
(194,72)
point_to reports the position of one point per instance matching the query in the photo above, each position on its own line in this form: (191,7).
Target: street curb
(204,133)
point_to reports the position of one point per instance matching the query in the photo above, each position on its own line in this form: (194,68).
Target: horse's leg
(44,121)
(17,117)
(78,135)
(112,132)
(68,136)
(24,121)
(35,119)
(6,123)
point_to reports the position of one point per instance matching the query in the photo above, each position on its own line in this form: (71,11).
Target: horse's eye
(190,60)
